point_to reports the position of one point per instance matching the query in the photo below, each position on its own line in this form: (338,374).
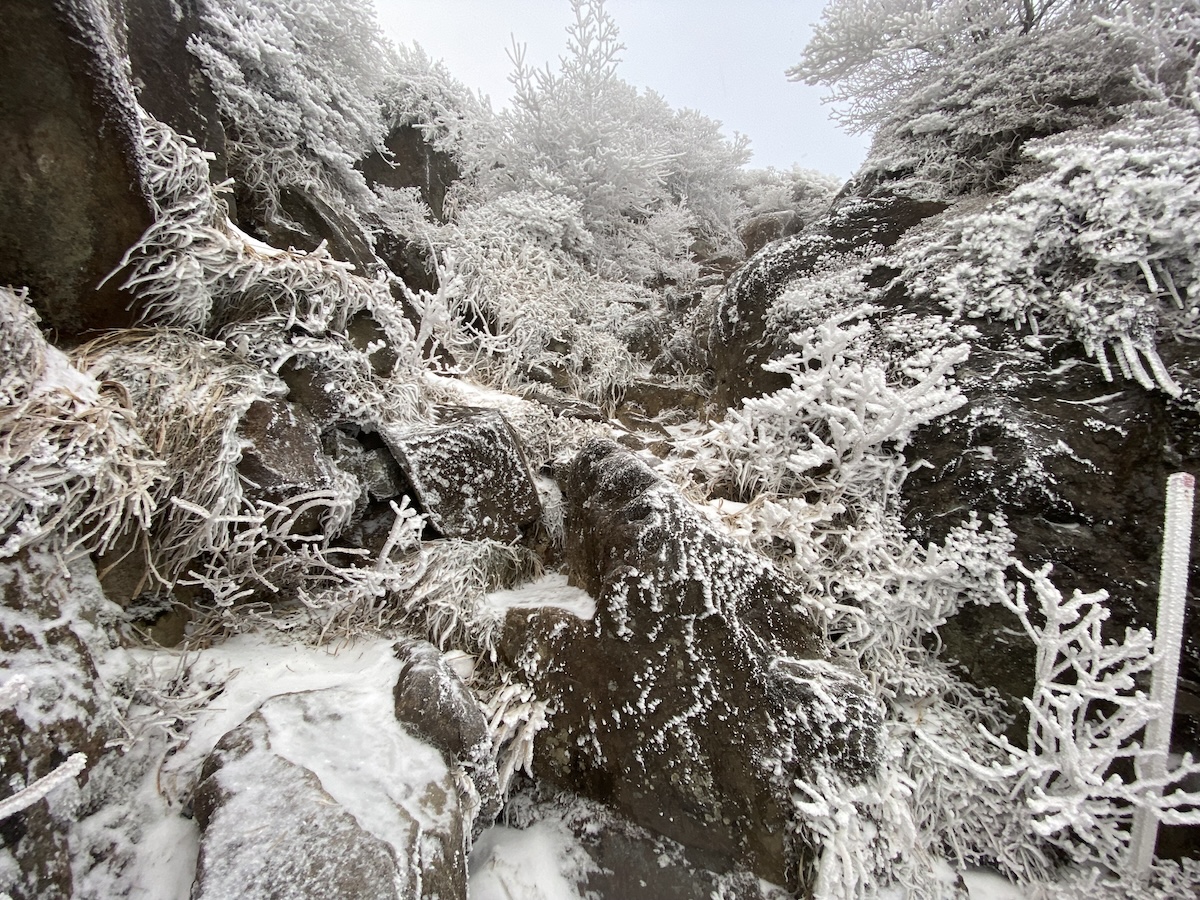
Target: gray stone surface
(271,832)
(469,474)
(70,186)
(702,686)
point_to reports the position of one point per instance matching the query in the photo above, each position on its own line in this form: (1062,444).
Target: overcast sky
(723,58)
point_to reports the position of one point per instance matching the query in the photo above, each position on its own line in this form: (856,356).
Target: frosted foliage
(878,53)
(191,395)
(806,191)
(1086,717)
(194,269)
(297,82)
(584,134)
(422,92)
(513,296)
(953,88)
(1101,247)
(71,460)
(818,467)
(827,431)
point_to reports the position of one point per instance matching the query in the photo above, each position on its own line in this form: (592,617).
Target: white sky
(725,59)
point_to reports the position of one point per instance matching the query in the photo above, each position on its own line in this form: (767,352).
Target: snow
(985,885)
(541,862)
(548,591)
(58,375)
(328,709)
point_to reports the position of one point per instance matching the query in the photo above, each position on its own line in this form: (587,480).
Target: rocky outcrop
(701,688)
(317,795)
(70,185)
(767,227)
(1078,468)
(306,221)
(741,341)
(282,459)
(469,474)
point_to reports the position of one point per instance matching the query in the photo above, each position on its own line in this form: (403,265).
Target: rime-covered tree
(954,88)
(648,179)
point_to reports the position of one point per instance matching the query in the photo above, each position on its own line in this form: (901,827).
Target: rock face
(412,162)
(64,712)
(701,688)
(469,474)
(322,794)
(307,222)
(1078,467)
(767,227)
(69,185)
(168,79)
(740,342)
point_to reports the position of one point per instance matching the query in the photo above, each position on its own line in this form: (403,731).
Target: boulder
(44,639)
(272,832)
(434,704)
(469,474)
(599,854)
(283,458)
(655,397)
(702,687)
(324,794)
(305,221)
(767,227)
(70,184)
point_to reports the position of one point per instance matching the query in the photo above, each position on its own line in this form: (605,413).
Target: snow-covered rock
(323,793)
(469,474)
(56,706)
(433,702)
(701,687)
(272,831)
(864,215)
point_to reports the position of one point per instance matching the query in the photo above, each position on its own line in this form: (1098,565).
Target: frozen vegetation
(543,504)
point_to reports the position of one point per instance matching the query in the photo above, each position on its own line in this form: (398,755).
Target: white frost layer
(541,862)
(549,590)
(347,735)
(985,885)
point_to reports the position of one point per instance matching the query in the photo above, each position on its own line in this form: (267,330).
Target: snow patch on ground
(986,885)
(349,739)
(549,590)
(541,862)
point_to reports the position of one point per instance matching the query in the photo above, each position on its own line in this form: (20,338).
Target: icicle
(1148,273)
(1172,599)
(1133,364)
(1161,375)
(1101,355)
(1165,274)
